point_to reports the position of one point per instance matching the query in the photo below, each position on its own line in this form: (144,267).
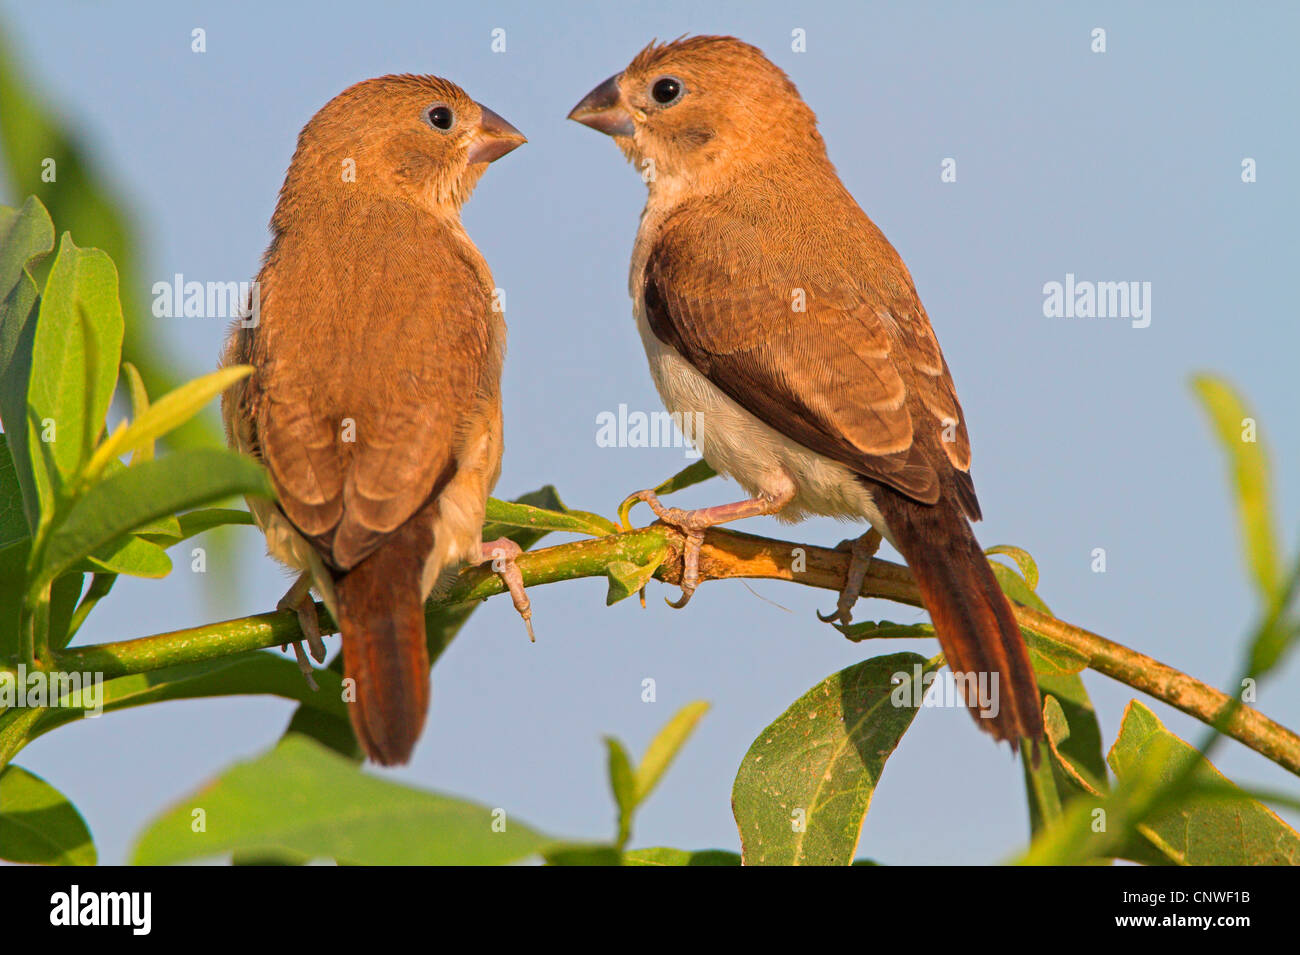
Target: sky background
(1122,166)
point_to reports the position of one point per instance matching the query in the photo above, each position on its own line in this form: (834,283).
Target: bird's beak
(602,109)
(495,138)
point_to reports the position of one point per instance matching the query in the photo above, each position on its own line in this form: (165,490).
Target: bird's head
(417,137)
(698,108)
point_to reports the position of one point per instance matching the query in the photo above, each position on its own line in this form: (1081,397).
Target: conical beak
(495,138)
(602,109)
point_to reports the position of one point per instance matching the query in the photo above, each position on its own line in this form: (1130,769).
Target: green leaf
(164,416)
(139,405)
(13,585)
(193,523)
(1237,434)
(1199,830)
(1014,586)
(13,522)
(302,798)
(26,237)
(627,578)
(75,355)
(695,473)
(885,630)
(623,784)
(540,519)
(37,823)
(133,556)
(583,854)
(662,856)
(1051,657)
(130,498)
(260,673)
(1026,563)
(806,783)
(663,749)
(64,594)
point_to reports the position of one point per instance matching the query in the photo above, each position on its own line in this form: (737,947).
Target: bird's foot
(502,553)
(298,599)
(862,550)
(694,523)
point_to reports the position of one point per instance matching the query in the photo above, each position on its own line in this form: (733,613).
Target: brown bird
(375,402)
(773,309)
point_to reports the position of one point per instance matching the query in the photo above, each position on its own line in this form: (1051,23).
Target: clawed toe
(502,553)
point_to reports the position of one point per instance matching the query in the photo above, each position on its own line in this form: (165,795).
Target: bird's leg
(862,549)
(502,553)
(694,523)
(298,599)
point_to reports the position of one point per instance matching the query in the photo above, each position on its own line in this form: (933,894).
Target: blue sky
(1122,166)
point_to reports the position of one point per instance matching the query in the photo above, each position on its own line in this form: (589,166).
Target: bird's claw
(298,599)
(862,550)
(502,553)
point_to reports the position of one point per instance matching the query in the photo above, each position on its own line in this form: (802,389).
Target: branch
(725,554)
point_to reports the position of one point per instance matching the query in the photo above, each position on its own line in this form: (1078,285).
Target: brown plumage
(772,306)
(375,402)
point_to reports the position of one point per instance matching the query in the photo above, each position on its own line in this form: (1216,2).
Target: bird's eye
(441,117)
(666,90)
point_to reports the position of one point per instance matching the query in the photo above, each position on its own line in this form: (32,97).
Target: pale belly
(763,461)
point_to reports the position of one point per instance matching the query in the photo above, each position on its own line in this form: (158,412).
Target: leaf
(695,473)
(584,854)
(1199,830)
(1026,563)
(1250,477)
(193,523)
(134,496)
(663,749)
(38,825)
(75,355)
(26,237)
(627,578)
(536,518)
(13,585)
(302,798)
(1051,657)
(885,630)
(64,594)
(623,784)
(1014,586)
(255,673)
(133,556)
(663,856)
(819,762)
(164,416)
(139,405)
(13,522)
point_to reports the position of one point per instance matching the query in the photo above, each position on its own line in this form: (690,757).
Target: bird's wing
(828,346)
(366,374)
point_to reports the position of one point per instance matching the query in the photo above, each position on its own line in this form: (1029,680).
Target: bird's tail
(381,618)
(972,617)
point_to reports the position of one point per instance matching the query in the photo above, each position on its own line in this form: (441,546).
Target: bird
(777,315)
(375,399)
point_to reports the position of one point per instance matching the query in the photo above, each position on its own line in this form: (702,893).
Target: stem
(725,554)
